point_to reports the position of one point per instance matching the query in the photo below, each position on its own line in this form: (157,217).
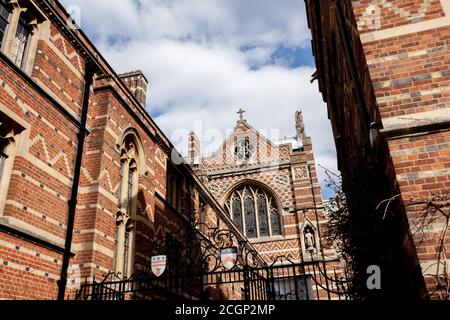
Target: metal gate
(214,264)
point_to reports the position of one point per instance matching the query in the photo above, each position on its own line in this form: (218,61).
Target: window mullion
(269,212)
(255,204)
(4,22)
(129,191)
(244,226)
(116,248)
(121,181)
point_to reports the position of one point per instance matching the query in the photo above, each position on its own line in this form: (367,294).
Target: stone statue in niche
(130,150)
(309,240)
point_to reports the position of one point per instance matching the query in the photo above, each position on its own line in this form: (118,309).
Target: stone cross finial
(241,115)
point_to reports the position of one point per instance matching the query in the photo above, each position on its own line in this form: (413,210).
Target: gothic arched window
(127,203)
(254,211)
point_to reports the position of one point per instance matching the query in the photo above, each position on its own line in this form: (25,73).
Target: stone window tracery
(126,213)
(4,20)
(20,23)
(254,211)
(244,149)
(21,40)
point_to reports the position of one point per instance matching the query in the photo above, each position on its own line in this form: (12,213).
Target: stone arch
(251,182)
(132,134)
(132,166)
(262,216)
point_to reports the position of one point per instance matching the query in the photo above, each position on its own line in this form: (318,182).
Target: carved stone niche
(310,243)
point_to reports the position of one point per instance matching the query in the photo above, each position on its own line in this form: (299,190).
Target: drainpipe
(62,282)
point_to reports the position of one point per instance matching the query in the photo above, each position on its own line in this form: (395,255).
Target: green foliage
(353,235)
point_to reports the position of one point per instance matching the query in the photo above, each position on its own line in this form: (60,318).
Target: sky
(205,59)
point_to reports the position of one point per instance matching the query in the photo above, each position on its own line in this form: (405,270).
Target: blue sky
(207,59)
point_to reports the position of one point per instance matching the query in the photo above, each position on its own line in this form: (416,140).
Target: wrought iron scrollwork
(194,266)
(213,240)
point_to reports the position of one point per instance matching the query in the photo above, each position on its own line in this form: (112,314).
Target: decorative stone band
(423,174)
(407,55)
(414,123)
(386,99)
(244,166)
(24,268)
(410,80)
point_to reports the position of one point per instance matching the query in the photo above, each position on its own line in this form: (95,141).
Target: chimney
(137,83)
(193,149)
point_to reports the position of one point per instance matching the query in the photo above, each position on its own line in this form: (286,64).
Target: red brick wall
(402,70)
(40,184)
(47,103)
(410,77)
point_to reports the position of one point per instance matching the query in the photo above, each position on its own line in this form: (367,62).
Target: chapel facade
(269,190)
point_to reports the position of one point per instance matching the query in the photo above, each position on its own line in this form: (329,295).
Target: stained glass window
(254,211)
(237,212)
(250,219)
(262,216)
(275,221)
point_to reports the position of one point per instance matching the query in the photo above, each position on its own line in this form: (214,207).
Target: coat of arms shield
(158,264)
(228,257)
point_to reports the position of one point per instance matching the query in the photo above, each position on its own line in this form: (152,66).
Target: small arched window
(127,203)
(254,211)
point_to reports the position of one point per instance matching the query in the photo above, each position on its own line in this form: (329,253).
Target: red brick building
(271,192)
(79,153)
(90,186)
(383,70)
(269,188)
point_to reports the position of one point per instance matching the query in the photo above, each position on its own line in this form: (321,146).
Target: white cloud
(191,52)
